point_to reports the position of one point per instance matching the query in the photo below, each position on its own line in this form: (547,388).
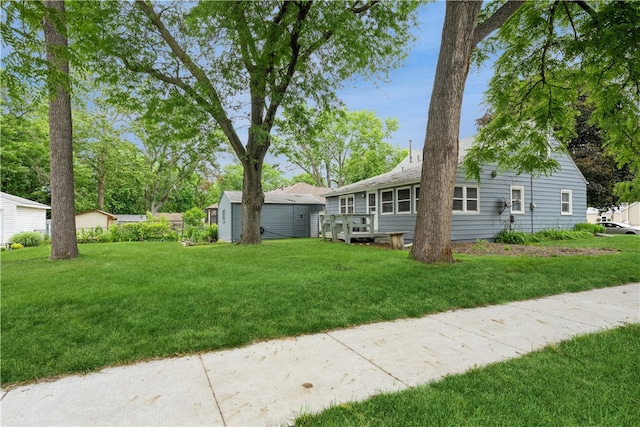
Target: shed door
(301,222)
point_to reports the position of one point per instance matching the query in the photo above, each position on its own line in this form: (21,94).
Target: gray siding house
(502,200)
(284,215)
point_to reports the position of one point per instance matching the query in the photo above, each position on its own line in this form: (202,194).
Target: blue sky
(407,92)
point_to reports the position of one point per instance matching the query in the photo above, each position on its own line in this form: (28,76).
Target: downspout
(532,206)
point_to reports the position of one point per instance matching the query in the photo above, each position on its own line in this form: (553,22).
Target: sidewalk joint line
(368,360)
(215,398)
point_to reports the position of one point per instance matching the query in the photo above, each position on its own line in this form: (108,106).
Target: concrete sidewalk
(269,383)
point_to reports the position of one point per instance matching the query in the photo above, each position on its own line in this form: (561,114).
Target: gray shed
(502,200)
(284,215)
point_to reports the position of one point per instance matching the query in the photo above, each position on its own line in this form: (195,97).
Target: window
(517,200)
(465,199)
(347,204)
(403,196)
(224,216)
(566,207)
(472,199)
(386,201)
(416,198)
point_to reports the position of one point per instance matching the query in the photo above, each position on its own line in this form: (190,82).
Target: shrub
(562,235)
(591,228)
(16,246)
(522,238)
(512,237)
(28,238)
(194,228)
(94,235)
(211,232)
(194,217)
(156,231)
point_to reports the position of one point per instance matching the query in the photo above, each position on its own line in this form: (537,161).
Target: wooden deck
(349,227)
(345,227)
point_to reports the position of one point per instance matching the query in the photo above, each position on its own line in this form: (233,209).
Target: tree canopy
(335,147)
(599,168)
(554,56)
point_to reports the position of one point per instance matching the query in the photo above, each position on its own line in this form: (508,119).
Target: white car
(619,228)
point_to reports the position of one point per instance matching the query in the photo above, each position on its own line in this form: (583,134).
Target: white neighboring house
(18,214)
(628,213)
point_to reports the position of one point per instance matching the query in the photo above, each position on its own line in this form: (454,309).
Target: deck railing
(346,226)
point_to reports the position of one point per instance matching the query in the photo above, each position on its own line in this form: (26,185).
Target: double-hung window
(517,200)
(566,202)
(403,200)
(416,198)
(386,202)
(347,204)
(466,199)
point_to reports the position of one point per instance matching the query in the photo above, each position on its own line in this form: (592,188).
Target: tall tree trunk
(63,223)
(432,238)
(102,177)
(252,201)
(101,182)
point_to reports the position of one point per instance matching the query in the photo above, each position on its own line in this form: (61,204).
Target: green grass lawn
(588,381)
(122,302)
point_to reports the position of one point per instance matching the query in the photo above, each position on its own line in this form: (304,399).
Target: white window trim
(397,201)
(415,199)
(570,193)
(521,211)
(346,198)
(392,202)
(464,210)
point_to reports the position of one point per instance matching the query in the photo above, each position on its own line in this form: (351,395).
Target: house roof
(131,218)
(19,201)
(171,217)
(279,198)
(303,188)
(407,171)
(111,216)
(214,206)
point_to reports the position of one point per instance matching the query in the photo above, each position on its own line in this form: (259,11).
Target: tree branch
(358,7)
(247,47)
(496,20)
(585,6)
(294,44)
(573,26)
(215,105)
(549,41)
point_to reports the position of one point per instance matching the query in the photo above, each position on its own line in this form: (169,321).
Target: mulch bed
(487,248)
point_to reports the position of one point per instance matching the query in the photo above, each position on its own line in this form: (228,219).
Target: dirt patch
(487,248)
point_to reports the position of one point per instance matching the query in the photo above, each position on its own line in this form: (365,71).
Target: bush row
(592,228)
(152,230)
(155,230)
(580,231)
